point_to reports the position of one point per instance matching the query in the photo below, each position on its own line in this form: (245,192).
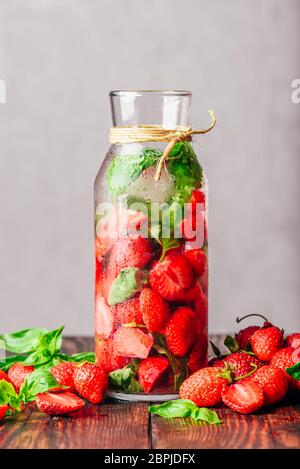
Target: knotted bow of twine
(157,133)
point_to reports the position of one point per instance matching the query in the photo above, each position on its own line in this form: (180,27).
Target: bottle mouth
(150,93)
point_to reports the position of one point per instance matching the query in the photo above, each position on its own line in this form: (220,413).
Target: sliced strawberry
(132,342)
(106,357)
(201,308)
(18,373)
(197,260)
(155,310)
(171,277)
(104,318)
(59,403)
(128,312)
(4,376)
(90,382)
(64,374)
(3,409)
(150,370)
(181,331)
(244,397)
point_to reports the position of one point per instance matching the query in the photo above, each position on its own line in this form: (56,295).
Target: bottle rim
(121,93)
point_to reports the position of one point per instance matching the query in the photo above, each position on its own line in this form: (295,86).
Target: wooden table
(117,425)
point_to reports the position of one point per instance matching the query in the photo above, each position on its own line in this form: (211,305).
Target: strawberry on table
(243,336)
(244,397)
(284,359)
(128,312)
(266,342)
(242,363)
(293,340)
(3,409)
(204,387)
(272,381)
(155,310)
(90,382)
(106,356)
(150,370)
(171,277)
(181,331)
(197,260)
(64,374)
(132,342)
(18,373)
(59,403)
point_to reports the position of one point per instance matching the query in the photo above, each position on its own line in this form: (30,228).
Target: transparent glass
(151,254)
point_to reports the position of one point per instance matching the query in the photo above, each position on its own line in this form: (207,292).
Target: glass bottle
(151,269)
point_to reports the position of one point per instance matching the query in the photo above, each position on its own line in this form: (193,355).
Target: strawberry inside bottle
(151,254)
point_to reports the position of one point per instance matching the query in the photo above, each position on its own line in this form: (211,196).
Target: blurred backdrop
(59,60)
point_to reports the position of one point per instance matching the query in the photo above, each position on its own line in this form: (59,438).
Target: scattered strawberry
(284,359)
(293,340)
(59,403)
(218,362)
(150,370)
(3,409)
(244,397)
(106,356)
(204,387)
(128,312)
(104,318)
(18,373)
(197,260)
(4,376)
(171,277)
(155,310)
(127,252)
(242,363)
(243,336)
(272,381)
(181,330)
(296,355)
(266,342)
(132,342)
(64,374)
(90,382)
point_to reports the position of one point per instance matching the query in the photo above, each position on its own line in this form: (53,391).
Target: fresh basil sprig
(24,341)
(185,408)
(124,379)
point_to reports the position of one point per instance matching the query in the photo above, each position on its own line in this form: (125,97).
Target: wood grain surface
(118,425)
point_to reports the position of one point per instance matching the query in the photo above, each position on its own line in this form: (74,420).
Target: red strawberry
(106,357)
(197,197)
(201,307)
(203,280)
(284,359)
(293,340)
(171,277)
(244,397)
(194,228)
(102,245)
(18,373)
(296,355)
(203,387)
(241,363)
(59,403)
(128,312)
(150,370)
(64,374)
(3,409)
(4,376)
(266,342)
(197,260)
(104,318)
(132,342)
(127,252)
(218,362)
(243,336)
(198,355)
(155,310)
(272,381)
(181,331)
(90,382)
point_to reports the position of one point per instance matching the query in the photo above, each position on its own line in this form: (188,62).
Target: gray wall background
(60,58)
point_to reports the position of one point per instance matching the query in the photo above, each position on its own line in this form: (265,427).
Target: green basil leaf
(185,408)
(37,382)
(24,341)
(124,379)
(37,358)
(231,343)
(7,362)
(130,281)
(294,371)
(9,396)
(82,356)
(51,341)
(178,365)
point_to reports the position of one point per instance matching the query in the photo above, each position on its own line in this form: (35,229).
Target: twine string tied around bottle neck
(157,133)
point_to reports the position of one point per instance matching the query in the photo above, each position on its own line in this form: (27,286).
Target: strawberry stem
(249,315)
(254,366)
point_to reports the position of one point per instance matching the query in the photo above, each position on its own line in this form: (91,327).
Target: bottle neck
(166,108)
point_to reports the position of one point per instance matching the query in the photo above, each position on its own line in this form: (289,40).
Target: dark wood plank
(284,422)
(12,426)
(111,425)
(236,431)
